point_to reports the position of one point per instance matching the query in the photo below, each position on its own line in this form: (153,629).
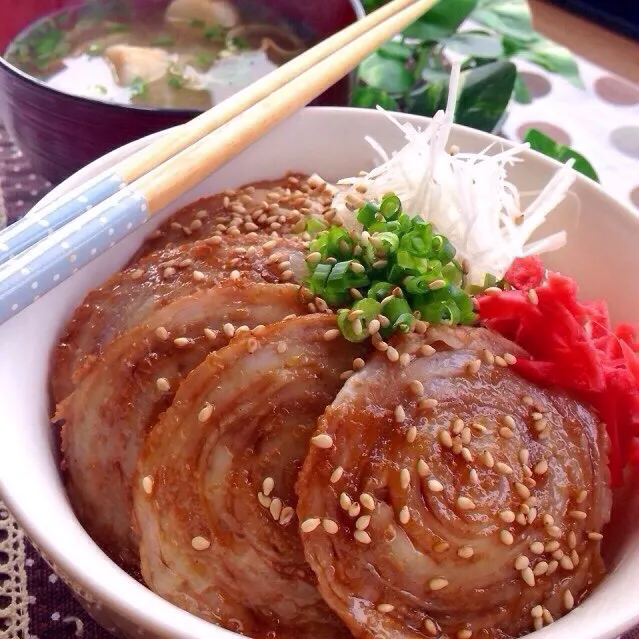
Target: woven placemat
(34,602)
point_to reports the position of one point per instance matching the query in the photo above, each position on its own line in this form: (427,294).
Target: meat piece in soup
(190,54)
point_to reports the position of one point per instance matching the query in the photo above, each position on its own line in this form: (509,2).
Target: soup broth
(187,54)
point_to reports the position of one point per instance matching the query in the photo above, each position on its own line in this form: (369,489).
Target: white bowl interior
(600,255)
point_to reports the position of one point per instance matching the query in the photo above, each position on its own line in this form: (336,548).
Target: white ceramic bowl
(601,255)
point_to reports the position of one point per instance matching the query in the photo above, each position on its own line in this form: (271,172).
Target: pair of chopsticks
(49,246)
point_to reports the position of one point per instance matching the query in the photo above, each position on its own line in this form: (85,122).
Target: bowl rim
(356,6)
(110,596)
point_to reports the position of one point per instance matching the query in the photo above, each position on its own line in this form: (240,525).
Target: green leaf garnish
(138,87)
(175,80)
(442,20)
(197,22)
(386,74)
(163,40)
(95,48)
(544,144)
(116,27)
(380,280)
(237,42)
(214,33)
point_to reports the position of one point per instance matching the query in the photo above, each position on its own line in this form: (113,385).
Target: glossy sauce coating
(481,497)
(121,394)
(219,532)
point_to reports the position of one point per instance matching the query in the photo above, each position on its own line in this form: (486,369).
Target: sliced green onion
(366,214)
(390,206)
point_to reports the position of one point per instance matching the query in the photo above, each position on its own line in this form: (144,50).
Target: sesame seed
(538,624)
(506,433)
(392,354)
(540,569)
(322,441)
(264,500)
(367,501)
(205,414)
(595,536)
(472,367)
(537,547)
(362,536)
(200,543)
(162,384)
(162,333)
(346,374)
(427,403)
(500,361)
(541,467)
(286,515)
(467,455)
(552,546)
(526,471)
(503,469)
(400,414)
(445,439)
(532,515)
(411,434)
(336,475)
(510,359)
(458,426)
(509,421)
(363,522)
(578,514)
(522,491)
(488,459)
(541,425)
(210,334)
(404,515)
(528,576)
(276,508)
(331,334)
(282,347)
(552,566)
(384,608)
(465,633)
(437,583)
(180,342)
(558,554)
(547,616)
(533,298)
(169,272)
(506,537)
(354,510)
(582,496)
(404,360)
(465,503)
(566,563)
(524,456)
(521,519)
(457,445)
(421,327)
(575,557)
(435,486)
(358,363)
(330,526)
(309,525)
(431,627)
(537,612)
(422,468)
(345,501)
(522,562)
(473,476)
(493,290)
(489,357)
(404,478)
(147,484)
(267,486)
(466,552)
(572,540)
(466,436)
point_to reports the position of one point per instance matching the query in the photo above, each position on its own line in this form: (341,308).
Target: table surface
(40,605)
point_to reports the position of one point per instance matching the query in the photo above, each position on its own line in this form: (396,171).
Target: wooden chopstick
(41,268)
(37,225)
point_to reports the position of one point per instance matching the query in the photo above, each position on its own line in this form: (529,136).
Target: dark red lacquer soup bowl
(60,132)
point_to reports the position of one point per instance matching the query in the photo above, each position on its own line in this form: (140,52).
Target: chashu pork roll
(121,394)
(130,295)
(214,497)
(468,502)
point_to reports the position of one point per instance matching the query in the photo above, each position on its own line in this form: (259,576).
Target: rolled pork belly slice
(469,502)
(214,496)
(122,393)
(156,280)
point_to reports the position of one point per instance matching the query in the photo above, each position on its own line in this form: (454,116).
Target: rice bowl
(295,145)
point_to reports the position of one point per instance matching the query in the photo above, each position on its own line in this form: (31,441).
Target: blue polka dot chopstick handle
(33,228)
(25,278)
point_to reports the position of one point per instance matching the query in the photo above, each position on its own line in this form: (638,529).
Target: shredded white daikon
(465,196)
